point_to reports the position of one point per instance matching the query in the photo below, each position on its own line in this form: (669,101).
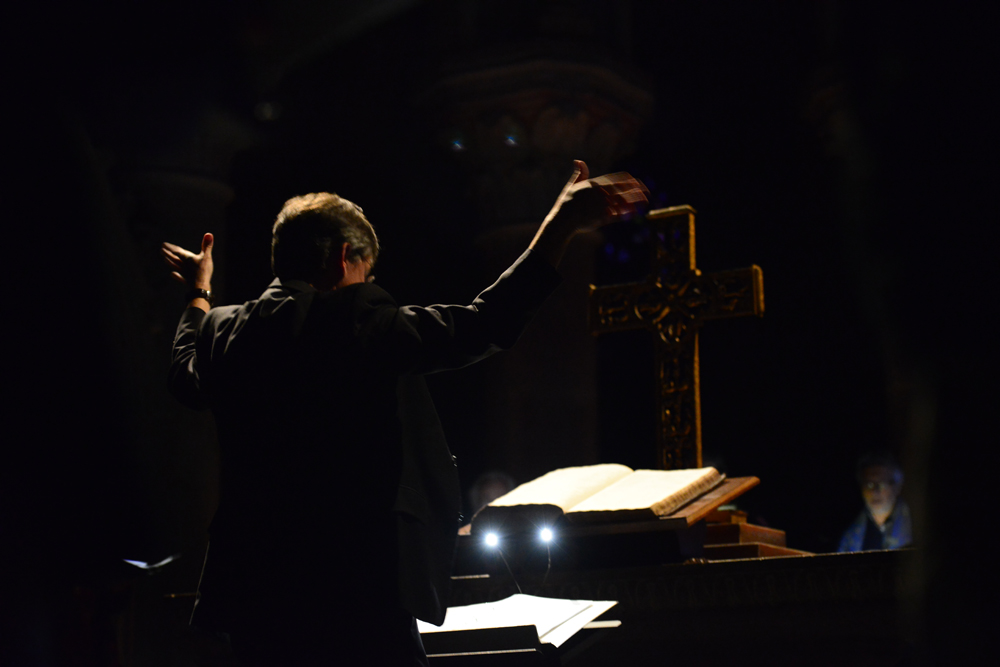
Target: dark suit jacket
(332,452)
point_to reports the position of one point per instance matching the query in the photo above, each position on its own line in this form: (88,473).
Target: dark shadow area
(847,150)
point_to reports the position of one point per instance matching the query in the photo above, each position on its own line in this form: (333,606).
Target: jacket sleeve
(184,382)
(419,339)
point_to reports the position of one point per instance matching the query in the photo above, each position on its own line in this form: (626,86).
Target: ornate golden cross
(673,302)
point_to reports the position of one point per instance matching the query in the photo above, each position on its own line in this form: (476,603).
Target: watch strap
(201,294)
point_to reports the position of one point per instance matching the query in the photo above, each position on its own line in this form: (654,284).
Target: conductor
(340,500)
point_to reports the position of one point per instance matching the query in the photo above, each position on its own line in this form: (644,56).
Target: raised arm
(442,337)
(195,272)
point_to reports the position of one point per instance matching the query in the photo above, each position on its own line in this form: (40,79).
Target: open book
(605,492)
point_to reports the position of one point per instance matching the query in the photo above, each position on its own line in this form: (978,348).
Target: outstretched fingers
(171,259)
(182,261)
(176,250)
(623,193)
(621,183)
(174,262)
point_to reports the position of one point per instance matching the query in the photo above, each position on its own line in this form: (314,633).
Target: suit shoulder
(221,314)
(372,294)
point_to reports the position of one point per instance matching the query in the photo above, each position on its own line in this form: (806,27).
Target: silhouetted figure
(340,500)
(884,523)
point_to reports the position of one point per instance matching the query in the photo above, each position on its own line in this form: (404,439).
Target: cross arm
(733,293)
(612,308)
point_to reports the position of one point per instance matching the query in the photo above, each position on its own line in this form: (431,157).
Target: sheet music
(554,619)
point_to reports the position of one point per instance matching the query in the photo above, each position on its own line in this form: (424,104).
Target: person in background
(884,523)
(488,487)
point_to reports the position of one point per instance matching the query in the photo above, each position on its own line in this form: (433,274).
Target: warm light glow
(546,535)
(492,540)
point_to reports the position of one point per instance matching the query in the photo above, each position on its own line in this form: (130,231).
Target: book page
(661,491)
(554,619)
(558,635)
(565,487)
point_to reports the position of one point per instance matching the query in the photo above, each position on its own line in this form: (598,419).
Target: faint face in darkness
(494,490)
(880,486)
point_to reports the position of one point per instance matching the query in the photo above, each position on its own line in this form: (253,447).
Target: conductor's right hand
(190,269)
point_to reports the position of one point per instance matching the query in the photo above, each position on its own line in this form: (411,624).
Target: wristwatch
(201,294)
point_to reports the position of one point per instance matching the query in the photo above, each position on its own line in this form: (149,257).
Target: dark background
(846,149)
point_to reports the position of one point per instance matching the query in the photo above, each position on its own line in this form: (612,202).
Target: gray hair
(310,227)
